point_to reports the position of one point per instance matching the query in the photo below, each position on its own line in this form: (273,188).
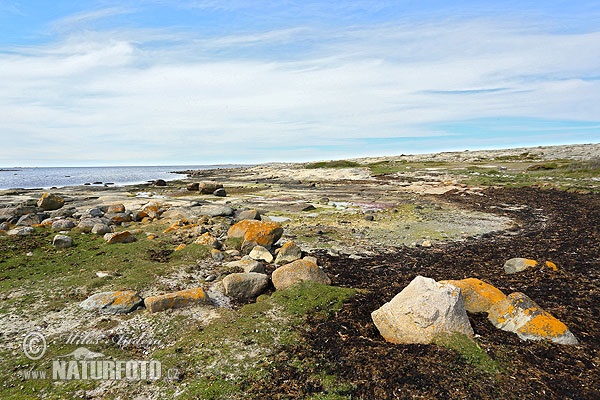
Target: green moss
(233,243)
(312,297)
(470,351)
(236,349)
(332,164)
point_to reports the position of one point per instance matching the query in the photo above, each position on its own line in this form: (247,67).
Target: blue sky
(156,82)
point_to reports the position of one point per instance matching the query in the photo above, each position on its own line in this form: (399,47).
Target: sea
(48,177)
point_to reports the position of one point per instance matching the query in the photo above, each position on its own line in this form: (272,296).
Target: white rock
(421,311)
(261,253)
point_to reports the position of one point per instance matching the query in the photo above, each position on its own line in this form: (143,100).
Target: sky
(189,82)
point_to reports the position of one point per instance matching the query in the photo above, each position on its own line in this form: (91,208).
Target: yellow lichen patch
(180,247)
(179,299)
(544,326)
(551,265)
(260,232)
(206,239)
(181,224)
(478,296)
(124,297)
(151,237)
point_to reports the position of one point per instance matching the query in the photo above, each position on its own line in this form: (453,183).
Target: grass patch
(311,297)
(470,351)
(237,349)
(332,164)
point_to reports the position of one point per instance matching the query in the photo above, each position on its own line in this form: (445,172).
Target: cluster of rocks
(255,238)
(207,187)
(426,309)
(50,211)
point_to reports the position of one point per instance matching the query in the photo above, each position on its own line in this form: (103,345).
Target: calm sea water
(29,178)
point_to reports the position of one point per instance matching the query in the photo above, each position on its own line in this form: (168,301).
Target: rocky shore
(319,280)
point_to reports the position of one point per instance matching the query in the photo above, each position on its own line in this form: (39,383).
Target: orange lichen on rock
(180,247)
(119,237)
(206,239)
(478,296)
(551,265)
(119,302)
(259,232)
(544,325)
(180,299)
(181,224)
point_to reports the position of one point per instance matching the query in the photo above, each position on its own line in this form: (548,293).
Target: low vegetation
(333,164)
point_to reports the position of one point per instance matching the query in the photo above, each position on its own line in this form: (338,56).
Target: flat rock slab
(180,299)
(421,311)
(216,211)
(120,302)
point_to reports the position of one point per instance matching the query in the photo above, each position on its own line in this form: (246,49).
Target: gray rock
(87,224)
(296,272)
(217,255)
(220,192)
(160,182)
(515,265)
(247,265)
(4,226)
(31,219)
(100,229)
(62,241)
(278,219)
(93,212)
(63,212)
(261,253)
(287,253)
(248,214)
(21,231)
(120,302)
(245,286)
(422,311)
(12,212)
(216,210)
(63,224)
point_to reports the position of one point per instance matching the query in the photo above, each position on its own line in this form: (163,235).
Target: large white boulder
(421,311)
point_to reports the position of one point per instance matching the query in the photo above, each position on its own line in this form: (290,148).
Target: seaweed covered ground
(555,226)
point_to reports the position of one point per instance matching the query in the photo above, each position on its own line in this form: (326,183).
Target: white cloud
(117,97)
